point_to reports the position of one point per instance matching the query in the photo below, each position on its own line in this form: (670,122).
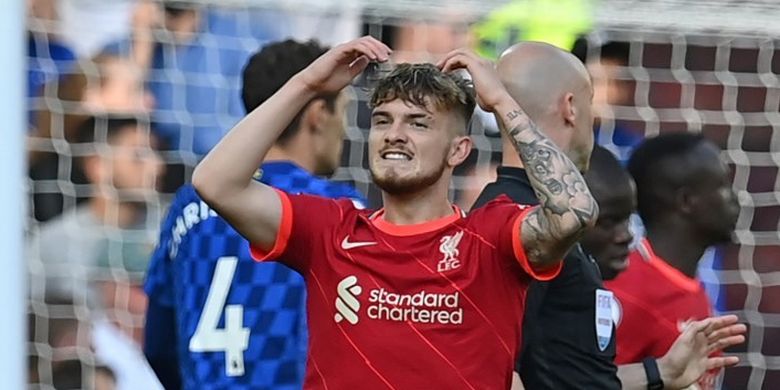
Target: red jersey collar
(377,219)
(672,274)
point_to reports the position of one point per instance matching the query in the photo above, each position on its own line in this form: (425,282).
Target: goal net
(708,66)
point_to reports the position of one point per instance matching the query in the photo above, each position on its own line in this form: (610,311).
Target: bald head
(554,88)
(538,74)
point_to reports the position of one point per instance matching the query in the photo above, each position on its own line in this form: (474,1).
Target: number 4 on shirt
(233,339)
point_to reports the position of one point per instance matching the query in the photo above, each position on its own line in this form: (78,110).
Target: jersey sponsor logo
(346,244)
(604,319)
(347,304)
(420,307)
(449,248)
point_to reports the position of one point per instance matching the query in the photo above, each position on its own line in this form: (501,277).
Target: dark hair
(658,167)
(605,168)
(270,68)
(423,84)
(103,128)
(588,48)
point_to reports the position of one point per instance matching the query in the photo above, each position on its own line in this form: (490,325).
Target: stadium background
(701,66)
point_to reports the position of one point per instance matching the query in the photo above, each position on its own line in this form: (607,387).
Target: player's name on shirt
(191,214)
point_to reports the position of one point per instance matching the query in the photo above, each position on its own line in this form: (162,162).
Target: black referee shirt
(560,348)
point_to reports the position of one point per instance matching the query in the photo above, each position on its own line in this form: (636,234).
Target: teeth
(396,156)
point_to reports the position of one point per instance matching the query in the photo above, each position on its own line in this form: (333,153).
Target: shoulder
(294,180)
(186,193)
(316,202)
(500,204)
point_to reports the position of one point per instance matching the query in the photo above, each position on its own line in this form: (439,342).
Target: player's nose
(396,134)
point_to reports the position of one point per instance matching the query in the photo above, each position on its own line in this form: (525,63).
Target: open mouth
(396,155)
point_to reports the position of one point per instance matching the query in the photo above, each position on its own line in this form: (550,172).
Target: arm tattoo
(566,203)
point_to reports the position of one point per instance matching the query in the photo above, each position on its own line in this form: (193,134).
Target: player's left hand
(490,91)
(690,355)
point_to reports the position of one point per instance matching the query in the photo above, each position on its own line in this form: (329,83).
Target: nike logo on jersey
(345,244)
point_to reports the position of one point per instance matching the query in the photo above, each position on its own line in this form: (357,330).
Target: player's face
(328,147)
(134,165)
(608,241)
(410,147)
(714,206)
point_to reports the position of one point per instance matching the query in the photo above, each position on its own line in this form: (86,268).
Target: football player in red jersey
(417,294)
(685,199)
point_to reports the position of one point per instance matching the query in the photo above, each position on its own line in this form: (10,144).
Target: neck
(426,205)
(292,154)
(112,212)
(674,243)
(509,156)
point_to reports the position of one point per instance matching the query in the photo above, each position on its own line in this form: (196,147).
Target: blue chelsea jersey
(234,323)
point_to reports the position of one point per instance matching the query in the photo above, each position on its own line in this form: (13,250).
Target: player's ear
(460,150)
(314,115)
(568,110)
(685,199)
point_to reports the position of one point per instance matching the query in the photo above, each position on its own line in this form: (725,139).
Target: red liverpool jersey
(436,305)
(655,302)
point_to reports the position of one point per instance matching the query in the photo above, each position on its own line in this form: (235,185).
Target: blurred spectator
(47,57)
(122,168)
(192,56)
(606,62)
(114,230)
(106,84)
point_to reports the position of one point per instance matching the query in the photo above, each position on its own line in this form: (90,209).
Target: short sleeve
(306,221)
(504,219)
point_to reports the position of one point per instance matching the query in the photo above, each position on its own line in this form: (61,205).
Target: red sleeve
(518,250)
(300,235)
(503,219)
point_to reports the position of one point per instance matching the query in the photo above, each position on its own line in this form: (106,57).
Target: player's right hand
(336,69)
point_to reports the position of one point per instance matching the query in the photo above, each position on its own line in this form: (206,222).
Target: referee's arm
(688,358)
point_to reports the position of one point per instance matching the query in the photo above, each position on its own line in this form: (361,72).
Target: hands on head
(696,350)
(335,69)
(340,65)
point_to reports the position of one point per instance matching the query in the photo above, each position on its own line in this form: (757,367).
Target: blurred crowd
(125,96)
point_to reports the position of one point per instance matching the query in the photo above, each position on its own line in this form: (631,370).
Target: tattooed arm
(567,206)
